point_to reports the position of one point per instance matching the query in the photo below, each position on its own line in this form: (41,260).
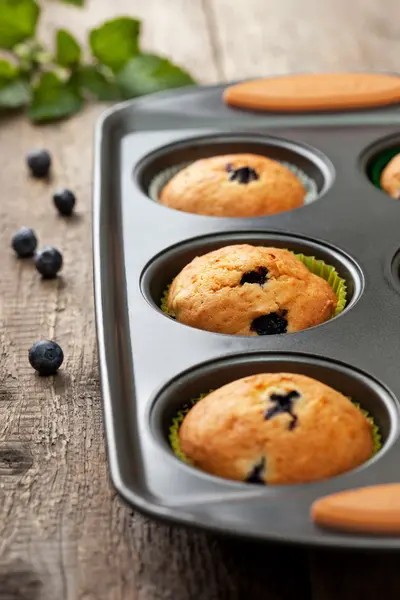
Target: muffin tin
(151,365)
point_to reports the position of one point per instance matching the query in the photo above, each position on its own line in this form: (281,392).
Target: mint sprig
(54,98)
(18,21)
(55,83)
(115,42)
(148,73)
(68,49)
(74,2)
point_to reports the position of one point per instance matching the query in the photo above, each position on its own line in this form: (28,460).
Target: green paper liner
(379,163)
(316,266)
(329,273)
(164,176)
(173,436)
(376,436)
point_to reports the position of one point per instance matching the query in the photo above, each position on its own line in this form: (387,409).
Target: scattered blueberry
(243,175)
(64,201)
(256,475)
(48,261)
(39,162)
(24,242)
(283,404)
(259,276)
(271,324)
(46,357)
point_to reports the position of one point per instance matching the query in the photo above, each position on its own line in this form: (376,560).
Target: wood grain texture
(354,576)
(175,28)
(266,37)
(63,532)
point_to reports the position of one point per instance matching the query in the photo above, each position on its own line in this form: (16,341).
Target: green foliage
(54,99)
(8,71)
(98,83)
(15,94)
(18,20)
(115,42)
(74,2)
(68,49)
(55,85)
(147,73)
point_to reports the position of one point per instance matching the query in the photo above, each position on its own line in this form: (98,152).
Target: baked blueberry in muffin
(236,185)
(250,290)
(276,428)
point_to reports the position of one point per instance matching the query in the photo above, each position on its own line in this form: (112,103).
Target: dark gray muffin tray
(151,365)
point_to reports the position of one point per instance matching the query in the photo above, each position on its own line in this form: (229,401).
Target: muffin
(250,290)
(236,185)
(390,178)
(276,428)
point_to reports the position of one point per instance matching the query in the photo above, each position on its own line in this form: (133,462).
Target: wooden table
(63,532)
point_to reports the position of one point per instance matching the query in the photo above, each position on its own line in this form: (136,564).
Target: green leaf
(8,71)
(18,19)
(54,99)
(115,42)
(15,94)
(68,49)
(148,73)
(74,2)
(94,80)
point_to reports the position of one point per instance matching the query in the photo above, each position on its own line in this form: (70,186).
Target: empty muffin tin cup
(341,272)
(178,395)
(310,166)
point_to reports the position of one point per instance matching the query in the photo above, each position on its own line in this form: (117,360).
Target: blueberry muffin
(250,290)
(276,428)
(237,185)
(390,178)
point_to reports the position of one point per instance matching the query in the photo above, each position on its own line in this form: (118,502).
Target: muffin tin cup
(370,394)
(158,275)
(161,179)
(310,166)
(150,364)
(375,158)
(392,270)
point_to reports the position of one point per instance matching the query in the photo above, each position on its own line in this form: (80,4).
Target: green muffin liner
(316,266)
(162,178)
(164,303)
(173,436)
(329,273)
(376,167)
(376,436)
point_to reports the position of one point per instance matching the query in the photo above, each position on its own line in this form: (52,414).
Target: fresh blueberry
(46,357)
(64,201)
(24,242)
(243,175)
(48,262)
(39,163)
(270,324)
(258,276)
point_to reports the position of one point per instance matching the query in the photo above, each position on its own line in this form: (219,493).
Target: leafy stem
(55,83)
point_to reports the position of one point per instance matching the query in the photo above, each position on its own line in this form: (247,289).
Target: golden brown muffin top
(236,289)
(279,427)
(234,185)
